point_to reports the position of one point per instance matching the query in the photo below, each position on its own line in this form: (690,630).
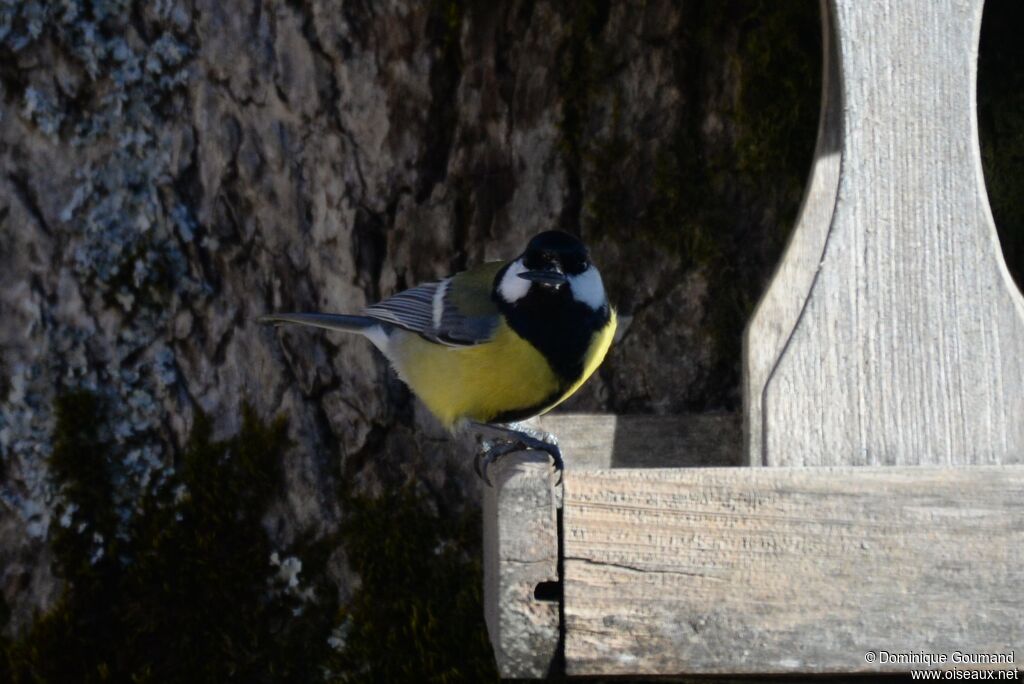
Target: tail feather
(344,322)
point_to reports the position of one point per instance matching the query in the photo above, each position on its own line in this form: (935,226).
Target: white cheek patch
(588,288)
(512,288)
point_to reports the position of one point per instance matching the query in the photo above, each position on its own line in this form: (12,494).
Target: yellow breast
(598,349)
(486,380)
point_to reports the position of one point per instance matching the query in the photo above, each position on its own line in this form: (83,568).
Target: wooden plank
(748,570)
(638,441)
(521,552)
(910,346)
(779,309)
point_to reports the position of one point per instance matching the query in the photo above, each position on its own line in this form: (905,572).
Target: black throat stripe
(561,328)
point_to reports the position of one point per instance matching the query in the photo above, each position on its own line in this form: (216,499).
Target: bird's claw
(492,450)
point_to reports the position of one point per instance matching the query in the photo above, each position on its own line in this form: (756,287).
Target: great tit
(496,344)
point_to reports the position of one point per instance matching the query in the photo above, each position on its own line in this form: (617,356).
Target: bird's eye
(577,266)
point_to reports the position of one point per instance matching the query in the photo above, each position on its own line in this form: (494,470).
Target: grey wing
(412,309)
(428,310)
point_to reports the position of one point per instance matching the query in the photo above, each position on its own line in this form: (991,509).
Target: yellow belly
(598,349)
(483,381)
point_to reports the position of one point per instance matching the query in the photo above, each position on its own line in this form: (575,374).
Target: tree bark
(173,170)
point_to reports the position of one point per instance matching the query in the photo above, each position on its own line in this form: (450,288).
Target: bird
(496,344)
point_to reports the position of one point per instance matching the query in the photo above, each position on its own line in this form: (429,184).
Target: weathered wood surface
(520,552)
(789,570)
(635,441)
(520,519)
(910,345)
(779,309)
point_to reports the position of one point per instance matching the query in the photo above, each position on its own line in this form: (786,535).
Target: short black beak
(545,277)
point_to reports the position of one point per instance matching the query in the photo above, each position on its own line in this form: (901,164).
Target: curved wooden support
(909,347)
(778,311)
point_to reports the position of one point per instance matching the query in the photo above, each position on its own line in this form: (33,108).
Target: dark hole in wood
(548,591)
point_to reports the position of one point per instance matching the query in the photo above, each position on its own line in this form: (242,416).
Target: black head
(554,266)
(553,255)
(552,296)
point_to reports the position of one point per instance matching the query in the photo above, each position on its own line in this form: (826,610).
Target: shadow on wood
(680,441)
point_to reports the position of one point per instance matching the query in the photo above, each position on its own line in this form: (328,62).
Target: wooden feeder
(879,500)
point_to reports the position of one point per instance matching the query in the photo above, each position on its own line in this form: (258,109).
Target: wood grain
(637,441)
(739,570)
(520,519)
(779,309)
(910,346)
(520,552)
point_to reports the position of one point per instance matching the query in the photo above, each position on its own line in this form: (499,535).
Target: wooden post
(521,540)
(520,556)
(903,342)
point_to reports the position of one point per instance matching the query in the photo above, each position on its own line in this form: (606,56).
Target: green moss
(582,70)
(182,589)
(5,642)
(721,202)
(418,615)
(81,464)
(777,112)
(452,13)
(5,381)
(775,115)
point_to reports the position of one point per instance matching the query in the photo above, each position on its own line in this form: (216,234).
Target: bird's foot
(511,438)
